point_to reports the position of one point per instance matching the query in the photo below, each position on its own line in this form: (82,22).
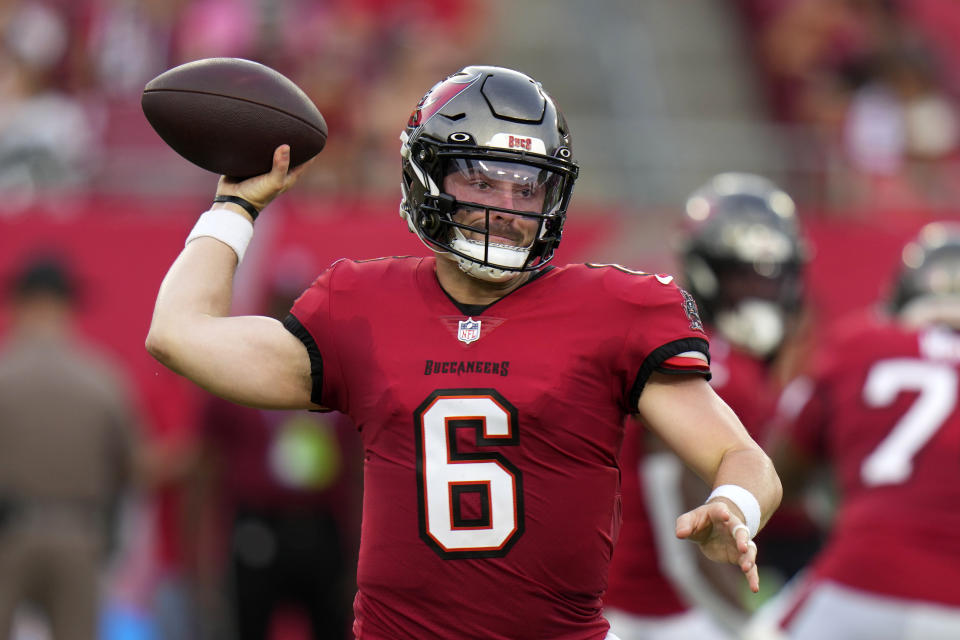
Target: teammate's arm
(686,413)
(250,360)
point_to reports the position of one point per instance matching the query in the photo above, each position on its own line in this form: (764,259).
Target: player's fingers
(751,552)
(748,559)
(741,536)
(753,578)
(688,523)
(696,524)
(281,161)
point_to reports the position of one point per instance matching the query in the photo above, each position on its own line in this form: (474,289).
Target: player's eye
(480,184)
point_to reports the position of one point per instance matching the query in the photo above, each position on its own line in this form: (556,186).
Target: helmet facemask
(496,218)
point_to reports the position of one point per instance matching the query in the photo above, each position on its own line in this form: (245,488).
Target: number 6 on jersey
(470,504)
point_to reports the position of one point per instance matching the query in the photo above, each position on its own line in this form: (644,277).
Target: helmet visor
(505,186)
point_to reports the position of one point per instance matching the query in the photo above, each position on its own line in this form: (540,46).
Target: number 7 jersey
(491,483)
(882,409)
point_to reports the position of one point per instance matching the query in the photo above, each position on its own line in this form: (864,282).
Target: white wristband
(744,500)
(230,228)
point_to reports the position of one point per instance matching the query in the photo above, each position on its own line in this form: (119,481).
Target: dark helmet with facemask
(497,124)
(927,289)
(742,259)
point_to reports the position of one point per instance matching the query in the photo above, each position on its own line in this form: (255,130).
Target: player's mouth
(505,235)
(511,241)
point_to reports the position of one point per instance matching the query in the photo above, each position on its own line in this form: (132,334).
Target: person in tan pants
(66,443)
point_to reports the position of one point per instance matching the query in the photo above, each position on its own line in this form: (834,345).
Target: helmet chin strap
(497,254)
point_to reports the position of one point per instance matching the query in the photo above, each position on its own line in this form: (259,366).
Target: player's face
(746,281)
(497,185)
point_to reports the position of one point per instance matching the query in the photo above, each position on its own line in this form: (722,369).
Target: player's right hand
(261,190)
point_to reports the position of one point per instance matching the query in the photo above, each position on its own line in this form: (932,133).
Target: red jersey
(491,440)
(638,584)
(883,410)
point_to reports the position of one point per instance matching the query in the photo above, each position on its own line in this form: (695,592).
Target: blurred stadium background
(850,105)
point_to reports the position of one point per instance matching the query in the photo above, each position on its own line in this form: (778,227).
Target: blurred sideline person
(280,495)
(742,257)
(67,434)
(489,387)
(880,409)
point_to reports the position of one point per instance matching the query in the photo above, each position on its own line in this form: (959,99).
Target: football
(227,115)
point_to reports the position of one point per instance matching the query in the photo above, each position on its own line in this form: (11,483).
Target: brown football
(227,115)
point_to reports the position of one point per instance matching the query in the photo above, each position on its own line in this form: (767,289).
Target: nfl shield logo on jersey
(468,330)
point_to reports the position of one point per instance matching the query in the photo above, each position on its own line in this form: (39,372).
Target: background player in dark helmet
(741,256)
(477,485)
(879,410)
(742,259)
(927,290)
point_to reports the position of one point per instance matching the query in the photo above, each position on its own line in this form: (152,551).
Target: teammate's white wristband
(229,227)
(745,501)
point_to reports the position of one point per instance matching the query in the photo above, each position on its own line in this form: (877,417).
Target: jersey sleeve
(664,334)
(312,322)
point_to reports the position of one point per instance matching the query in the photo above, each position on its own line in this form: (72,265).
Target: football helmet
(927,288)
(742,258)
(487,126)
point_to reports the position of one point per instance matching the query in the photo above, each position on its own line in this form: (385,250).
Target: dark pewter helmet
(491,121)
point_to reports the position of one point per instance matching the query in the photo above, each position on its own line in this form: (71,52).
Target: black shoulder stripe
(316,361)
(657,358)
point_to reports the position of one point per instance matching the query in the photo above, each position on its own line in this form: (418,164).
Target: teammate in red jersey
(490,387)
(881,409)
(742,256)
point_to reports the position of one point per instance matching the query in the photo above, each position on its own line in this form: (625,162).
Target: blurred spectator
(361,63)
(900,127)
(47,141)
(67,437)
(879,409)
(279,494)
(285,484)
(128,42)
(89,60)
(214,28)
(865,83)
